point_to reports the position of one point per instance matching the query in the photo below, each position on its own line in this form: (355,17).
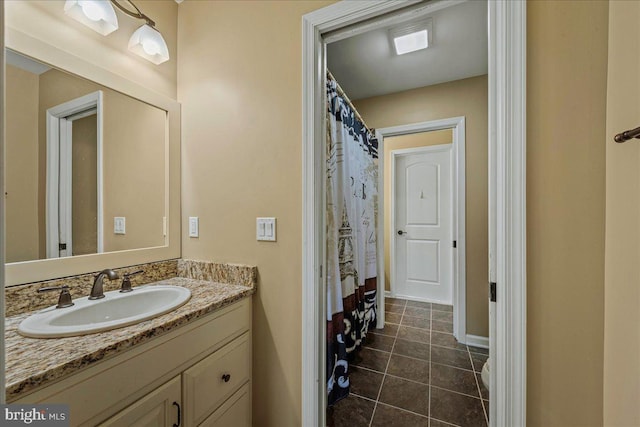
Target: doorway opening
(443,243)
(74,223)
(507,194)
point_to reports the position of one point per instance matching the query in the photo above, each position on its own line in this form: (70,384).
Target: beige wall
(622,270)
(21,171)
(467,98)
(246,134)
(84,185)
(566,107)
(134,172)
(413,140)
(45,20)
(240,86)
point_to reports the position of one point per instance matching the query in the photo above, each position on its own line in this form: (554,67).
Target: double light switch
(266,229)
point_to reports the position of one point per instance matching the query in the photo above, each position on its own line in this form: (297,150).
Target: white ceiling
(366,65)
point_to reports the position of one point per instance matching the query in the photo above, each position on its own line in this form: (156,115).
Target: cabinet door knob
(179,420)
(226,378)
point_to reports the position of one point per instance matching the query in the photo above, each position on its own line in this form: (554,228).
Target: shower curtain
(351,238)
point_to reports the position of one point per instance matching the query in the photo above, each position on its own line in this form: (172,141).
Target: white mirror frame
(38,270)
(507,200)
(2,202)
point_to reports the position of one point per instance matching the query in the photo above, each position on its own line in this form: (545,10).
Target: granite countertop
(33,362)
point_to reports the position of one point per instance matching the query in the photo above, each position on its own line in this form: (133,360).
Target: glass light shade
(148,43)
(98,15)
(411,42)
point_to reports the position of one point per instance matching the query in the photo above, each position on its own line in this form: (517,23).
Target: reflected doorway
(74,177)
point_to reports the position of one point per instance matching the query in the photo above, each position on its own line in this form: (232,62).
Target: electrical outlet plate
(119,225)
(266,229)
(194,226)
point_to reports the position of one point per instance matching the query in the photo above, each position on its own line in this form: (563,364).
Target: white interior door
(423,225)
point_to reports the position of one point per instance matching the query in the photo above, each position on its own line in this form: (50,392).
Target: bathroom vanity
(189,367)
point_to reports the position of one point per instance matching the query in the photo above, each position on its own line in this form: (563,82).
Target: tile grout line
(456,392)
(384,375)
(398,408)
(401,409)
(419,359)
(418,382)
(443,422)
(430,362)
(484,410)
(422,342)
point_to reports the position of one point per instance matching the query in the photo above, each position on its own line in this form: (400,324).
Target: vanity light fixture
(100,16)
(412,37)
(146,41)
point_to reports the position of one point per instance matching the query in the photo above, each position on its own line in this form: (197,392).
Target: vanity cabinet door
(161,407)
(214,379)
(235,412)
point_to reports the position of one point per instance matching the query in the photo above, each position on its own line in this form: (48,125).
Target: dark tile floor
(414,373)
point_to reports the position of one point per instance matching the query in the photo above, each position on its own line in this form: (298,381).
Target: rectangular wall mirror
(92,166)
(85,166)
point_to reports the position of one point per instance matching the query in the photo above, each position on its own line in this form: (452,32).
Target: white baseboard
(388,294)
(477,341)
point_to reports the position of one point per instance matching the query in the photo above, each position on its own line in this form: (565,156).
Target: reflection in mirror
(85,166)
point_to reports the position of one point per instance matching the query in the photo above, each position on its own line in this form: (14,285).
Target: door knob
(400,232)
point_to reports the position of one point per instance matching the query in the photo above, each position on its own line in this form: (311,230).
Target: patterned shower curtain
(352,190)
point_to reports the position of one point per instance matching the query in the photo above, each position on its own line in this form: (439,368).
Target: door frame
(507,200)
(458,200)
(59,184)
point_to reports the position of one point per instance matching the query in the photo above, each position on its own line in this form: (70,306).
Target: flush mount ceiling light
(98,15)
(411,37)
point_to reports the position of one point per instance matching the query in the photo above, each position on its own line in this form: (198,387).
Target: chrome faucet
(96,291)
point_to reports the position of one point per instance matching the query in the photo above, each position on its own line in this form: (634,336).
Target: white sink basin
(115,310)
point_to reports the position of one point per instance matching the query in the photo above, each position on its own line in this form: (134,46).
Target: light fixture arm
(137,14)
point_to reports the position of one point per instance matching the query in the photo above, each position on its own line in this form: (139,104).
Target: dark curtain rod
(627,135)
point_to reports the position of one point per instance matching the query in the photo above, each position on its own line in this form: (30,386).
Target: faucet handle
(126,281)
(65,297)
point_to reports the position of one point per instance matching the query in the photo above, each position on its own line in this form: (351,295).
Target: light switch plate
(194,226)
(119,225)
(266,229)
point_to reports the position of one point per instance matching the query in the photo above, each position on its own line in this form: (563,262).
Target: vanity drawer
(235,412)
(207,384)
